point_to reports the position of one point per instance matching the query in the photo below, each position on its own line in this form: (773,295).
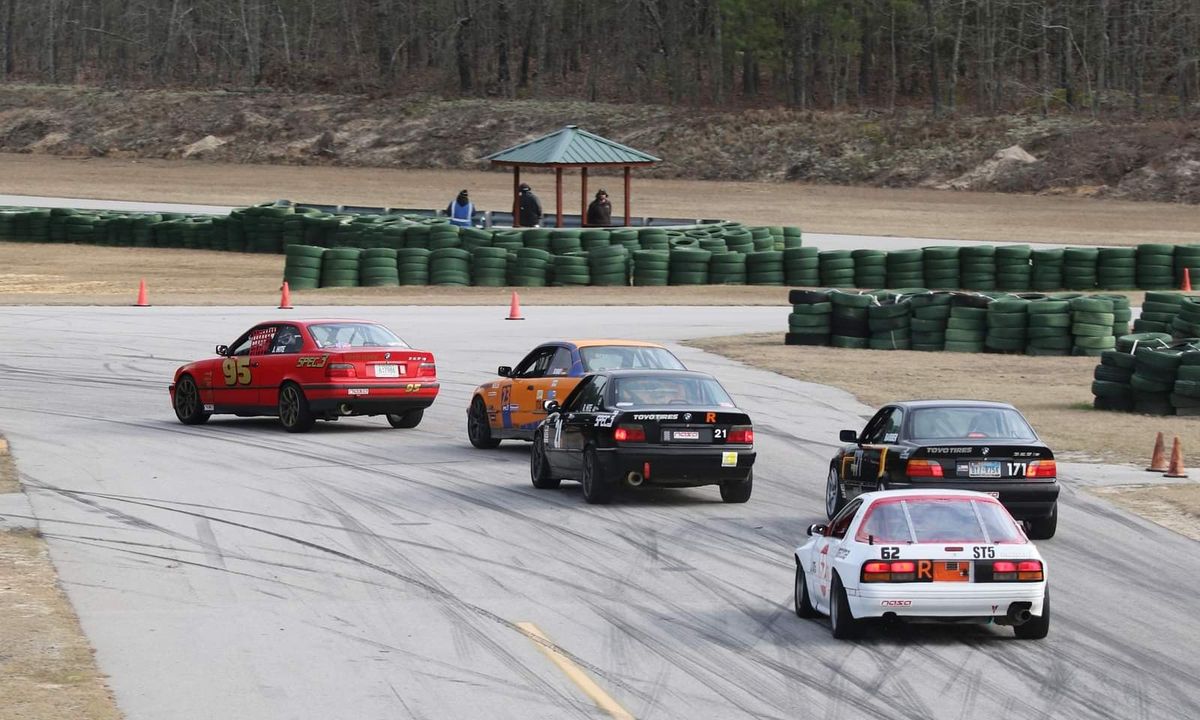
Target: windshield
(649,391)
(352,335)
(617,357)
(934,520)
(962,423)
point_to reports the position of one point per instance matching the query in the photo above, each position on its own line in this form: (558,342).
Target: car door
(878,438)
(235,386)
(273,364)
(527,389)
(574,424)
(825,551)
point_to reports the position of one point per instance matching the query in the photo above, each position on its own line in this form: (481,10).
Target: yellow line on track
(573,672)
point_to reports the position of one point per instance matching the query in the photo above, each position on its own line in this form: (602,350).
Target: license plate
(387,371)
(686,435)
(984,469)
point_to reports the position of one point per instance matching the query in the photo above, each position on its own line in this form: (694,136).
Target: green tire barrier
(1079,268)
(941,267)
(1116,268)
(377,267)
(1156,267)
(801,266)
(489,266)
(977,267)
(449,265)
(412,266)
(870,268)
(302,268)
(836,268)
(728,268)
(689,264)
(1014,269)
(571,269)
(651,267)
(765,267)
(339,267)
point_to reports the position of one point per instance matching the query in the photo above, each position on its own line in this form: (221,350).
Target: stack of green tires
(1079,267)
(977,267)
(417,236)
(890,325)
(536,239)
(727,268)
(302,266)
(58,224)
(339,267)
(1187,257)
(609,265)
(836,268)
(592,239)
(1156,266)
(651,267)
(565,241)
(1092,320)
(1154,376)
(809,321)
(1187,323)
(412,266)
(652,238)
(1116,268)
(628,239)
(1049,331)
(38,225)
(870,268)
(765,267)
(738,239)
(489,266)
(930,313)
(689,266)
(1159,311)
(143,232)
(347,234)
(293,229)
(1111,389)
(530,269)
(443,236)
(377,267)
(849,321)
(1007,324)
(451,265)
(572,269)
(905,268)
(471,238)
(79,228)
(712,244)
(801,266)
(762,239)
(1047,273)
(509,240)
(966,330)
(1014,271)
(1122,313)
(941,266)
(792,237)
(1186,395)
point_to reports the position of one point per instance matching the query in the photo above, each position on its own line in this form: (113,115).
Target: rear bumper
(1024,499)
(370,398)
(904,600)
(678,466)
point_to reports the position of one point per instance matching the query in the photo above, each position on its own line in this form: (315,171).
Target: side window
(841,522)
(560,363)
(261,339)
(587,397)
(875,430)
(583,388)
(891,433)
(535,363)
(241,346)
(287,340)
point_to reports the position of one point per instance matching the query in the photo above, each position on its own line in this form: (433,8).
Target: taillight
(923,468)
(427,369)
(1029,570)
(1019,571)
(896,571)
(1004,571)
(1041,469)
(740,435)
(340,370)
(629,433)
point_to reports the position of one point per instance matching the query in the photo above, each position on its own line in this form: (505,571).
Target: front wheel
(1044,528)
(1037,627)
(803,602)
(595,490)
(539,464)
(738,491)
(406,421)
(479,429)
(294,413)
(834,499)
(188,407)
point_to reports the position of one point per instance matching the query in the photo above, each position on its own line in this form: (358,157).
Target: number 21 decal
(236,370)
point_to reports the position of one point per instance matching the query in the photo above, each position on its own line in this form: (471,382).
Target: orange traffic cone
(1176,469)
(1158,463)
(285,299)
(514,309)
(141,298)
(1187,280)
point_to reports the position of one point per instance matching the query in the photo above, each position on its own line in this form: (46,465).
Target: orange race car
(511,406)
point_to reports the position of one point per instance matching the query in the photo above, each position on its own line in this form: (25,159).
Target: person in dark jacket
(600,211)
(461,211)
(529,208)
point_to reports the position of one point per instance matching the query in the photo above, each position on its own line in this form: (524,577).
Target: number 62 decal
(236,370)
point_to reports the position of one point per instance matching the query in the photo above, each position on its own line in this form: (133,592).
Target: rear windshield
(655,391)
(617,357)
(353,335)
(963,423)
(936,520)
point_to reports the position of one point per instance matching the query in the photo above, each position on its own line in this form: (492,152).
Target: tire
(803,603)
(595,490)
(406,421)
(737,492)
(539,467)
(1044,528)
(188,407)
(1038,627)
(479,431)
(294,414)
(834,498)
(841,620)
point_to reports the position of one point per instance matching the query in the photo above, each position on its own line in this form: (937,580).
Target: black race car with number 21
(667,428)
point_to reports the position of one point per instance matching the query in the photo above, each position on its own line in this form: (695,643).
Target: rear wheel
(188,407)
(407,420)
(595,490)
(294,413)
(803,602)
(738,491)
(841,620)
(1044,528)
(1037,627)
(539,465)
(479,430)
(834,499)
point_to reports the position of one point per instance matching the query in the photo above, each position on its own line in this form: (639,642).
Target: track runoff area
(234,570)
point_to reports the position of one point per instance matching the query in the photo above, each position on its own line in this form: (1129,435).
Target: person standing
(529,208)
(599,212)
(461,210)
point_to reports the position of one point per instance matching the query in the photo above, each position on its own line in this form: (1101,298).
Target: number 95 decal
(236,370)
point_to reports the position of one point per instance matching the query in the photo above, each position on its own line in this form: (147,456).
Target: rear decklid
(381,364)
(981,460)
(673,425)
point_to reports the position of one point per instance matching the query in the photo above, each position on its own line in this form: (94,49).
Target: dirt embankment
(1150,160)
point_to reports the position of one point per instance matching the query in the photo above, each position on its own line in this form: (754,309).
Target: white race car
(923,556)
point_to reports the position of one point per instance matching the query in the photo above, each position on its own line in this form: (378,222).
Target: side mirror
(551,406)
(848,436)
(504,371)
(816,529)
(222,350)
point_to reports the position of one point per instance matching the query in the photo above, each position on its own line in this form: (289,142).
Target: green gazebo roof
(571,147)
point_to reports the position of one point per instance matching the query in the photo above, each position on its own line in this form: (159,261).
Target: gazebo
(570,148)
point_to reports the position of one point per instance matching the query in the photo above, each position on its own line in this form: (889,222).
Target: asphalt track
(234,571)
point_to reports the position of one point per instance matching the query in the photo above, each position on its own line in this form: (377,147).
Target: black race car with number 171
(664,428)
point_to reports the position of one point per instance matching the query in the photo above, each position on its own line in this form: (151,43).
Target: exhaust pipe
(1019,613)
(345,409)
(634,479)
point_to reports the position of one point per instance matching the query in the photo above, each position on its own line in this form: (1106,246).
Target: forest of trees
(982,56)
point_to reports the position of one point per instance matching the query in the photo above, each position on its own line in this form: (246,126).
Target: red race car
(309,370)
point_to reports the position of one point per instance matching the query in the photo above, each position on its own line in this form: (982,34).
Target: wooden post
(516,196)
(558,196)
(583,201)
(627,200)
